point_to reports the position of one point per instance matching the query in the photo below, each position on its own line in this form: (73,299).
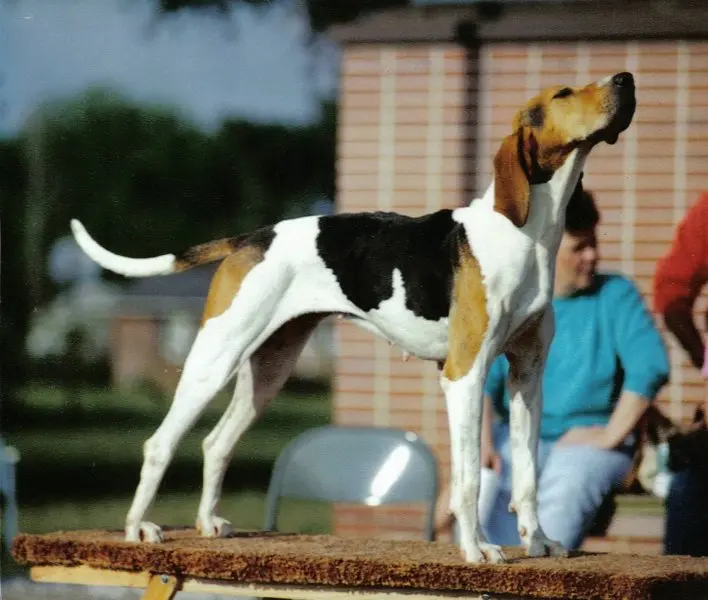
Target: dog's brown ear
(511,183)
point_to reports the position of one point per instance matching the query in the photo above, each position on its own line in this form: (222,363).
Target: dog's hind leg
(527,357)
(259,381)
(240,304)
(198,385)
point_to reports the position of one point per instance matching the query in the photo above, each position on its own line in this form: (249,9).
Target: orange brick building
(427,93)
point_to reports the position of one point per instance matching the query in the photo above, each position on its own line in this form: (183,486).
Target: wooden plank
(161,587)
(84,575)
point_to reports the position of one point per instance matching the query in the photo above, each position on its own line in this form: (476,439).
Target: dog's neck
(548,201)
(546,220)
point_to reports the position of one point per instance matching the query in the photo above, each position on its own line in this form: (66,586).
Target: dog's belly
(319,292)
(392,319)
(424,338)
(417,336)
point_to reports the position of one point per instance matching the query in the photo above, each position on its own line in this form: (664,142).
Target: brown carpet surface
(273,558)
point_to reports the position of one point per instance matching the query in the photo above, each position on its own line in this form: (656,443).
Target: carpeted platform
(272,558)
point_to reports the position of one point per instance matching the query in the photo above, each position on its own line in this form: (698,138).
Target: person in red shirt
(679,278)
(678,281)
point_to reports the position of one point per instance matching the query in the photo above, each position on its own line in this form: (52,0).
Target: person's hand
(585,436)
(489,458)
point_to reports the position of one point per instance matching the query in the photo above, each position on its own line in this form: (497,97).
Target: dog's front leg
(527,358)
(464,398)
(469,355)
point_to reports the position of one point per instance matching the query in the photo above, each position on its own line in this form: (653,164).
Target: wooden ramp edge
(89,576)
(313,567)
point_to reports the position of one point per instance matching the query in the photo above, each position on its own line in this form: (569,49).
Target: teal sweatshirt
(605,342)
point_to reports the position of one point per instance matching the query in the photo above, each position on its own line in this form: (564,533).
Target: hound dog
(456,286)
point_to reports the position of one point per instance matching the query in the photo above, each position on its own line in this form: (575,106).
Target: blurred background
(165,123)
(159,125)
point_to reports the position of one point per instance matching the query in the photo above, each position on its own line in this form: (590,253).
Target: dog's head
(552,125)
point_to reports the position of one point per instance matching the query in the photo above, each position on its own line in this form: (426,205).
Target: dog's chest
(516,270)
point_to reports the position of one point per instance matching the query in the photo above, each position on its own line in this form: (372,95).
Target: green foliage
(62,449)
(14,312)
(322,13)
(144,181)
(131,174)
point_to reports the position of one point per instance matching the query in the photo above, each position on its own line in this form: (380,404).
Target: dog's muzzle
(622,103)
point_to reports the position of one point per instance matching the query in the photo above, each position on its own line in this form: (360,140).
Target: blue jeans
(573,482)
(687,514)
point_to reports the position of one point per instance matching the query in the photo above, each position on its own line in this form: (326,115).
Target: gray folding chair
(362,465)
(9,456)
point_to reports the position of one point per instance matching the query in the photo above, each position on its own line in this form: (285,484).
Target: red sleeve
(681,274)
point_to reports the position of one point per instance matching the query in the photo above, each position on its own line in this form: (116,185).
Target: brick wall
(419,127)
(643,183)
(403,141)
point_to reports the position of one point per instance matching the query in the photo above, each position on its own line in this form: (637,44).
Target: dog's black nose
(623,80)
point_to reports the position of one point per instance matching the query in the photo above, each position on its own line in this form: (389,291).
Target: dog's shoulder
(384,233)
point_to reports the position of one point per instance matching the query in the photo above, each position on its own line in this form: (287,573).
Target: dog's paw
(542,546)
(145,532)
(214,527)
(483,552)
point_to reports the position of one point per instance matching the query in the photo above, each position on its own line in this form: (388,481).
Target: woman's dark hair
(581,213)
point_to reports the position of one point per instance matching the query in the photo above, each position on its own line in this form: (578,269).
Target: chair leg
(9,509)
(9,521)
(161,587)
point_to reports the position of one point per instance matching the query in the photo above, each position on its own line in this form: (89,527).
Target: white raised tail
(123,265)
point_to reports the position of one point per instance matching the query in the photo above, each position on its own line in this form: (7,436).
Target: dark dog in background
(687,445)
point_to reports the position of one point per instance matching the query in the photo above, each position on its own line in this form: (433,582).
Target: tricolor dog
(456,286)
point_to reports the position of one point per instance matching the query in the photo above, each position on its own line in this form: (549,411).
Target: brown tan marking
(468,316)
(545,132)
(205,253)
(227,280)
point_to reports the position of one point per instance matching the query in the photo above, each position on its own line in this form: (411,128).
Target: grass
(640,505)
(79,468)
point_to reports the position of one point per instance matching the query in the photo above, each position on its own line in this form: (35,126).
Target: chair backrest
(362,465)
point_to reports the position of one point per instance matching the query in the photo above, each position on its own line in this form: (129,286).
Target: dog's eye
(564,93)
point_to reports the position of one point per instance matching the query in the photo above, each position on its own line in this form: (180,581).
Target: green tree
(145,182)
(280,169)
(121,168)
(14,312)
(321,13)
